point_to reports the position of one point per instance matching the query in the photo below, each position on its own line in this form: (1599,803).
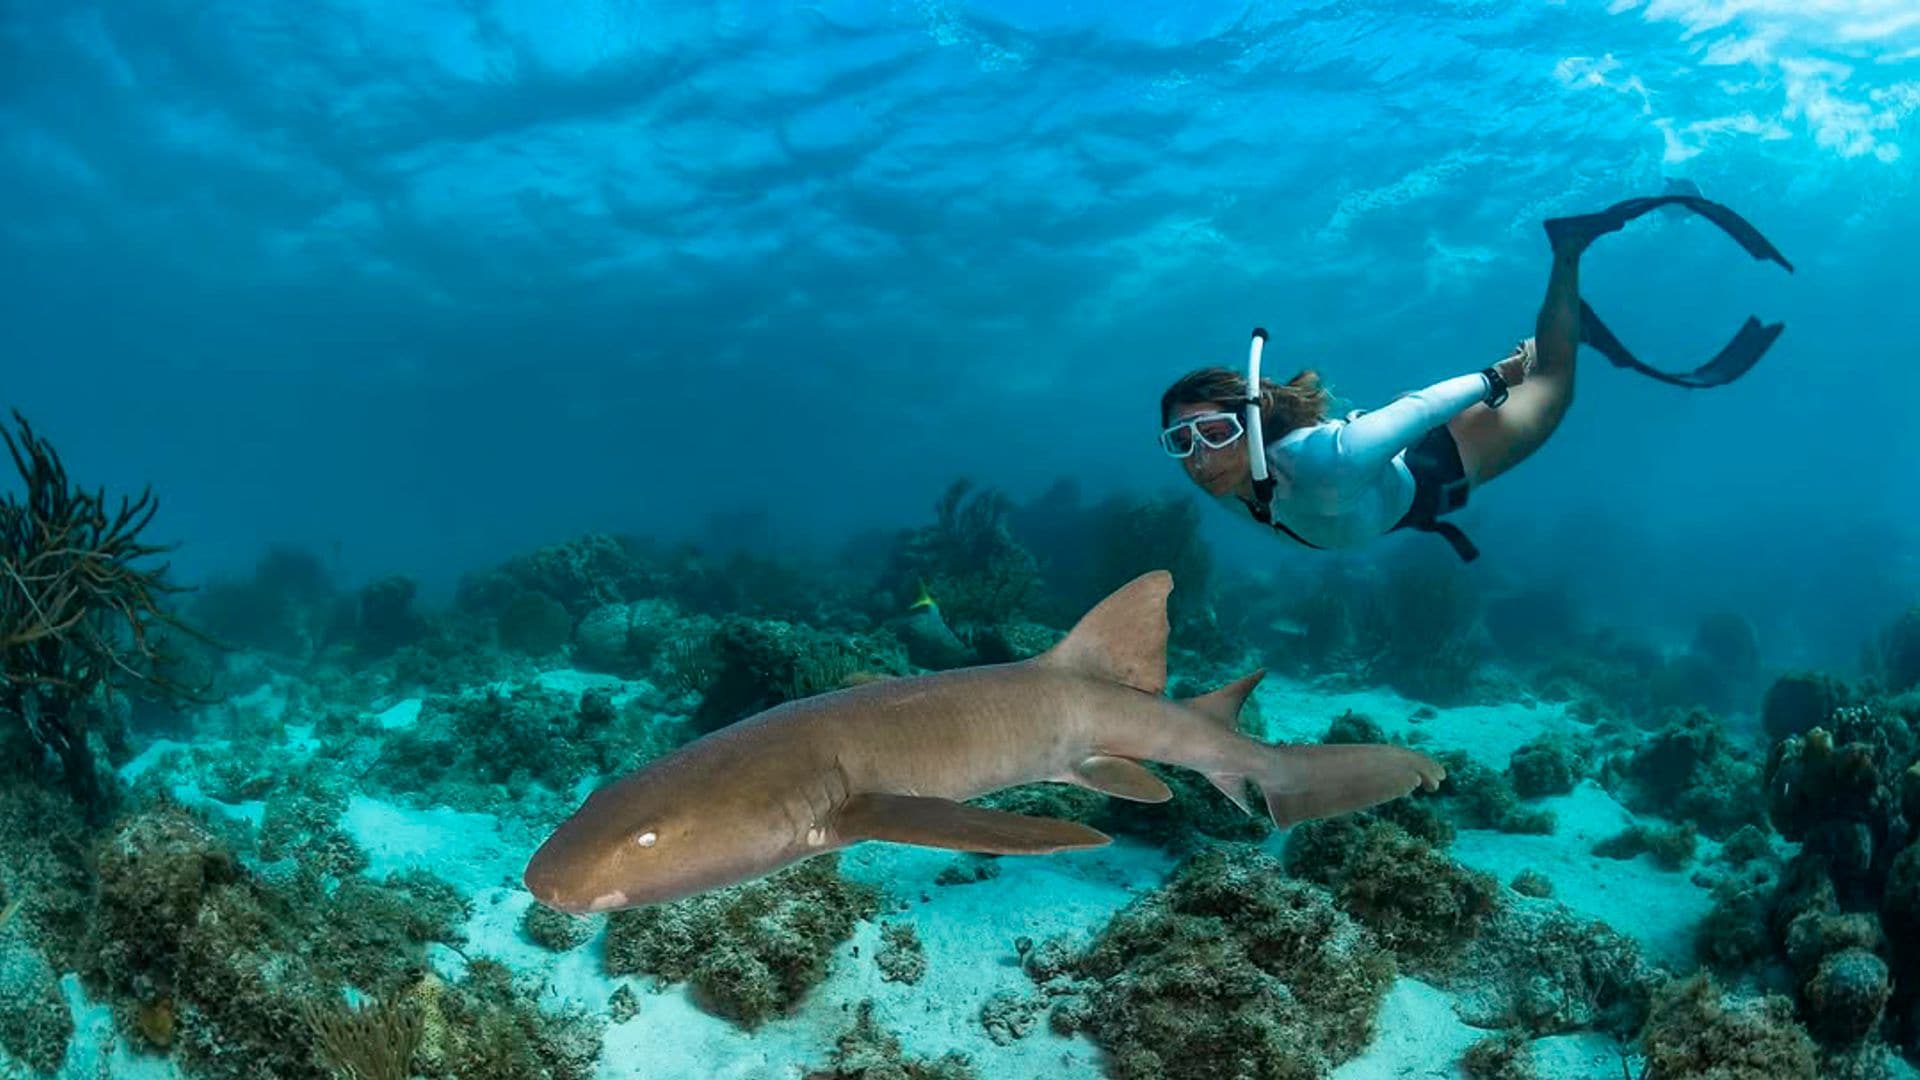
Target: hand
(1513,369)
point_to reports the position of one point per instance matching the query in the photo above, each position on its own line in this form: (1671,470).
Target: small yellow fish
(926,600)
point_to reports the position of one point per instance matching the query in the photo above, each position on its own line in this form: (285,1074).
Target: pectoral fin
(1122,777)
(943,823)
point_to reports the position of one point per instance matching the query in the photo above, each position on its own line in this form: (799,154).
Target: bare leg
(1494,440)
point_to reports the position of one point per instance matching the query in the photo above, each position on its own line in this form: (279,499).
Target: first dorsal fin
(1124,638)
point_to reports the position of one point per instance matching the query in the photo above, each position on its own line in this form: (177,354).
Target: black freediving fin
(1740,354)
(1730,363)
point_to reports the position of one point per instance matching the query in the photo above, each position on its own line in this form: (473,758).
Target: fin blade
(1122,777)
(1234,787)
(1123,638)
(1317,781)
(956,826)
(1225,703)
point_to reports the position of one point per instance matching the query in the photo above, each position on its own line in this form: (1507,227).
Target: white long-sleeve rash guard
(1342,483)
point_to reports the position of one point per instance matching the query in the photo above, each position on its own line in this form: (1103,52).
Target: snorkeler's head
(1201,421)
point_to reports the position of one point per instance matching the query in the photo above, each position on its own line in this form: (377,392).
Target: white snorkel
(1256,438)
(1256,435)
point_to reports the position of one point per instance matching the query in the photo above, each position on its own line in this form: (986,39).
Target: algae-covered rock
(1484,798)
(865,1051)
(900,957)
(1539,969)
(1846,997)
(1800,701)
(1546,765)
(35,1023)
(1696,1031)
(1691,771)
(557,930)
(751,951)
(1231,969)
(1506,1056)
(1422,905)
(488,1024)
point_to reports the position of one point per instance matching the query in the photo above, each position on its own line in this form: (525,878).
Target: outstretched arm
(1372,439)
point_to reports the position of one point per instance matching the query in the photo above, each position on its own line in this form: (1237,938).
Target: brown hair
(1299,402)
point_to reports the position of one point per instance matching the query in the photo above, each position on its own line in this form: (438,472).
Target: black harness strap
(1451,533)
(1446,530)
(1260,514)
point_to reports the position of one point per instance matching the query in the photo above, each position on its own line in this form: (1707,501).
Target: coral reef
(557,930)
(1421,905)
(376,1041)
(35,1024)
(1735,934)
(1008,1016)
(221,965)
(1230,969)
(486,1024)
(1671,846)
(865,1052)
(1836,922)
(383,618)
(284,608)
(1720,672)
(1532,883)
(1800,701)
(632,639)
(1481,798)
(1694,1030)
(1690,771)
(900,956)
(1539,969)
(529,744)
(749,952)
(535,624)
(1841,794)
(1506,1056)
(581,574)
(761,663)
(967,559)
(1545,765)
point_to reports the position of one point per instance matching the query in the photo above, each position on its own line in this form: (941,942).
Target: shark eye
(647,839)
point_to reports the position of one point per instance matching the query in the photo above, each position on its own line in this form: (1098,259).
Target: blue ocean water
(434,327)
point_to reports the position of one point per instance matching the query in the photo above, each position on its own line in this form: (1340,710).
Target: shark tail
(1123,639)
(1316,781)
(1313,781)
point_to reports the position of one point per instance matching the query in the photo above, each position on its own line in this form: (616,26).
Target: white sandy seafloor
(968,931)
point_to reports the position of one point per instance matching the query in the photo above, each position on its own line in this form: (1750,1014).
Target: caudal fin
(1312,781)
(1317,781)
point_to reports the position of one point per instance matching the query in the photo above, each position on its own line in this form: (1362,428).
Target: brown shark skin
(770,782)
(764,793)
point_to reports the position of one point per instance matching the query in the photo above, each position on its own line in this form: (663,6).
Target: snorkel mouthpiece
(1256,438)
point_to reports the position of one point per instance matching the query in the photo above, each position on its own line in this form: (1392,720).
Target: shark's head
(659,835)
